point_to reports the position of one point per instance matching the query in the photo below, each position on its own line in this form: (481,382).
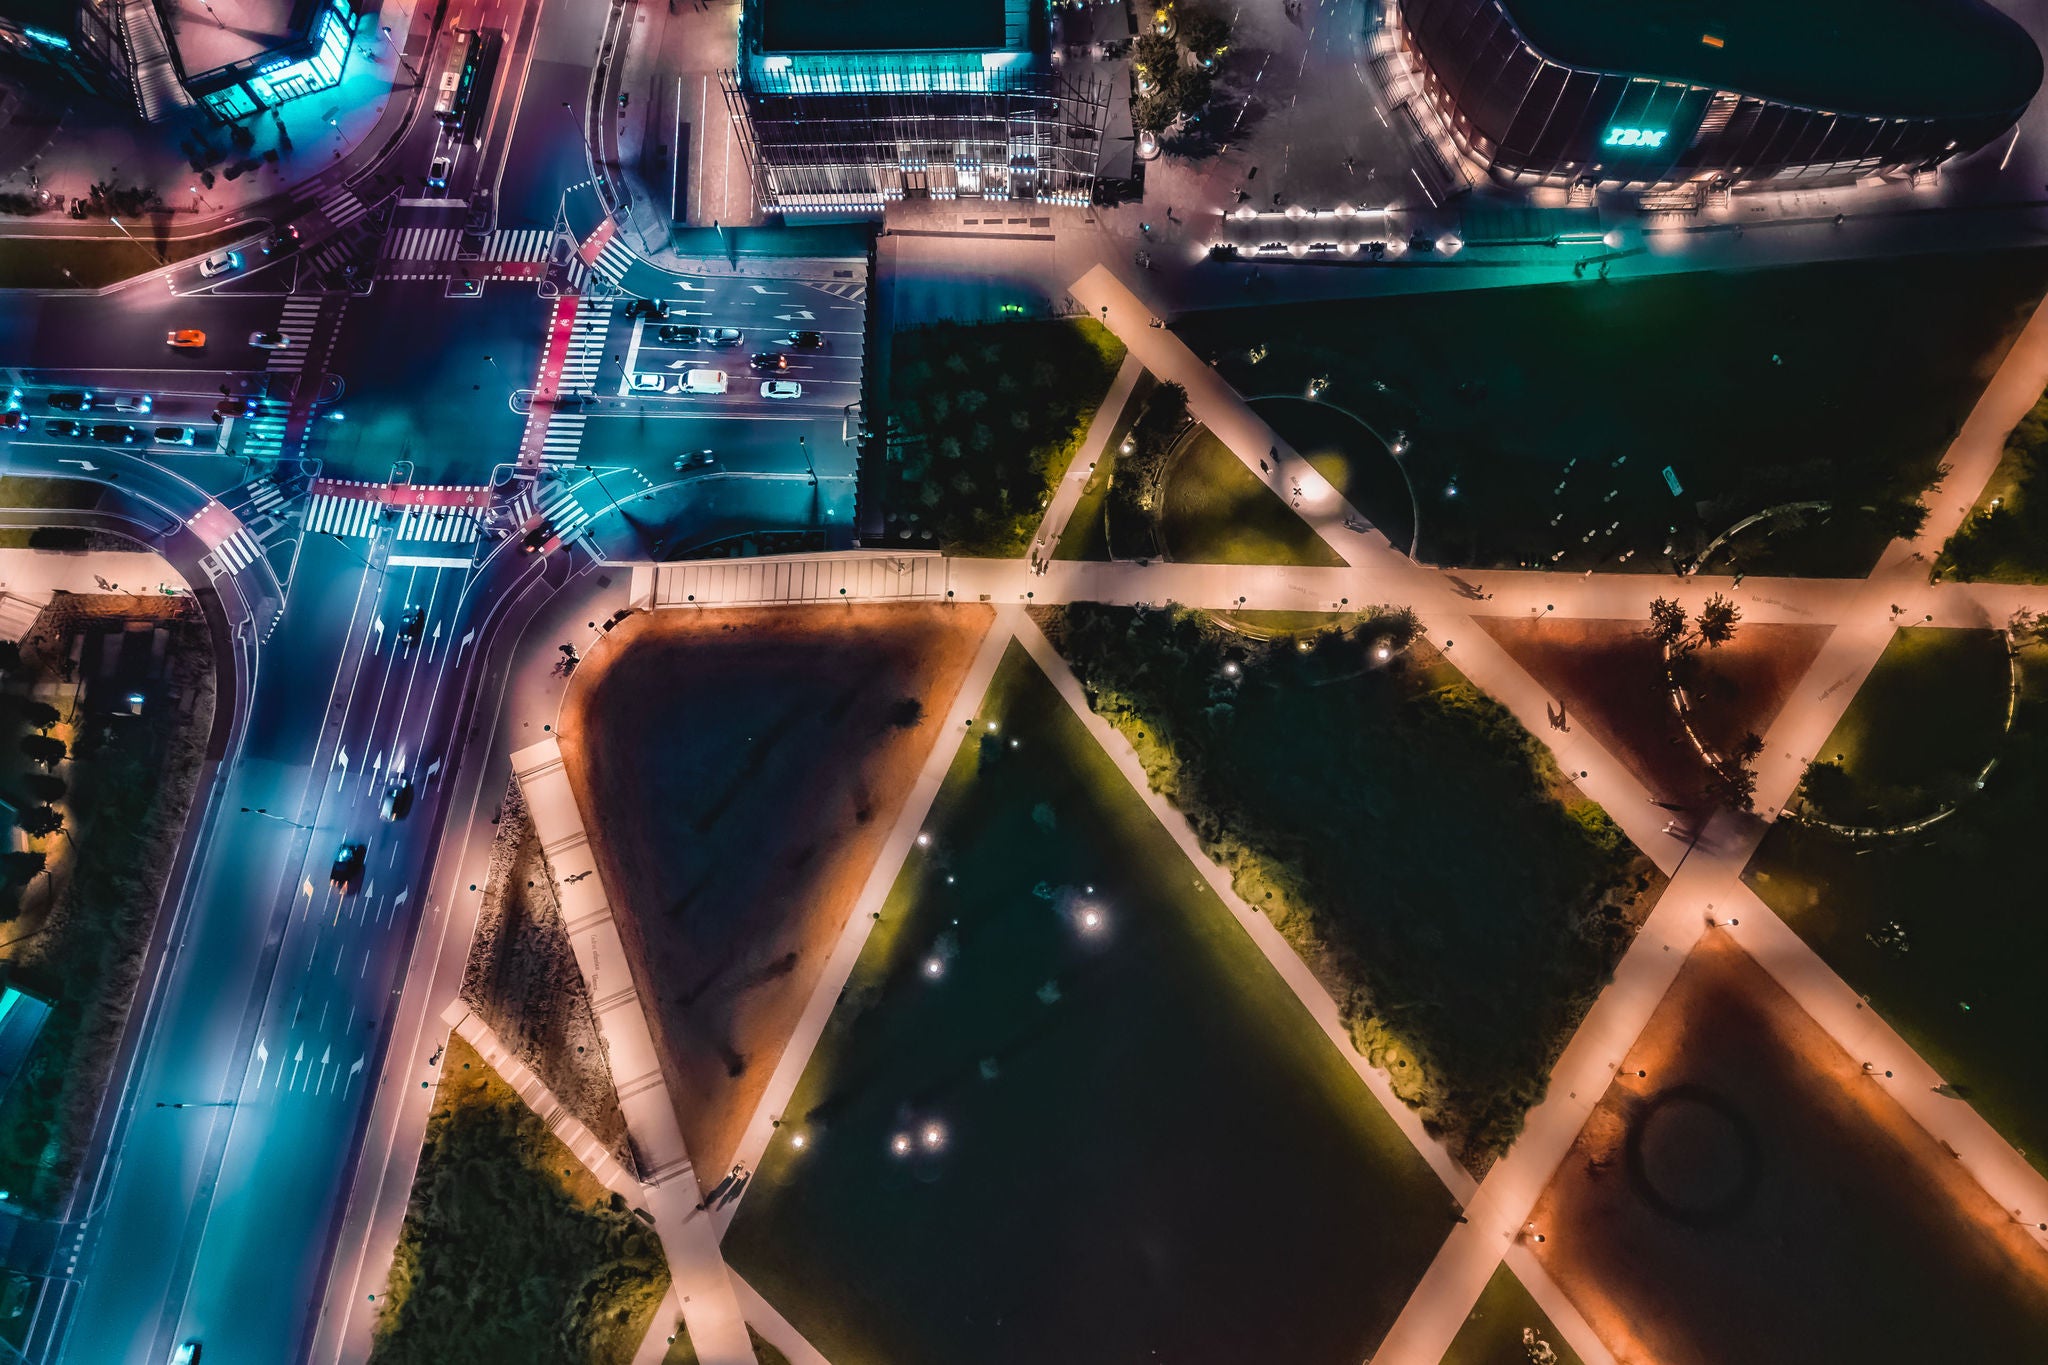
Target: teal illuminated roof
(1894,58)
(882,25)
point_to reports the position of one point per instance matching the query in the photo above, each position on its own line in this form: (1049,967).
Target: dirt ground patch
(523,979)
(1610,679)
(1755,1167)
(738,771)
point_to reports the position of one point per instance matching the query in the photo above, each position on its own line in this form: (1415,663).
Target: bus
(465,78)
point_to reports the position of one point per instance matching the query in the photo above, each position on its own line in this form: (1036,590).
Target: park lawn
(1087,533)
(1842,382)
(1920,729)
(42,262)
(2005,537)
(1345,451)
(1492,1334)
(511,1251)
(1463,902)
(1215,511)
(1963,985)
(984,420)
(1149,1150)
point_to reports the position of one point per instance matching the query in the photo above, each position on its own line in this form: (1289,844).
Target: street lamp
(259,810)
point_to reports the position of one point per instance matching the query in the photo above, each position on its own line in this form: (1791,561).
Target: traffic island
(1065,1109)
(1740,1157)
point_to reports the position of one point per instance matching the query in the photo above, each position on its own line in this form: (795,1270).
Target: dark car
(13,421)
(116,434)
(807,341)
(680,334)
(535,536)
(397,799)
(348,867)
(411,626)
(64,426)
(723,336)
(69,400)
(769,362)
(233,407)
(277,243)
(654,310)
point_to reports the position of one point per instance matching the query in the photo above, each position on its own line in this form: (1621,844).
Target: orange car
(190,339)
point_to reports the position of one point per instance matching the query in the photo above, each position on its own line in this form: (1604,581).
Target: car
(116,434)
(769,362)
(410,626)
(535,535)
(680,334)
(269,341)
(703,381)
(723,336)
(807,341)
(781,388)
(186,339)
(437,174)
(64,426)
(188,1354)
(69,400)
(277,243)
(397,799)
(220,264)
(233,407)
(12,420)
(648,383)
(172,436)
(348,867)
(654,310)
(122,402)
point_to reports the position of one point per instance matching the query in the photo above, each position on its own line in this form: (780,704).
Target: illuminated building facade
(1616,92)
(304,66)
(846,108)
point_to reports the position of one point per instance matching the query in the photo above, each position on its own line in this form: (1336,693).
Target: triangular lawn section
(1216,511)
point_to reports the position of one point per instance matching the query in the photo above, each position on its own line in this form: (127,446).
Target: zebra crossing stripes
(238,552)
(342,209)
(424,244)
(300,315)
(327,514)
(586,346)
(575,275)
(334,254)
(563,438)
(614,261)
(265,495)
(563,512)
(265,436)
(445,524)
(519,244)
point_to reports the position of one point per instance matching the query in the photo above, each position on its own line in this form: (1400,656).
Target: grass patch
(69,495)
(983,422)
(1087,533)
(1215,511)
(1841,382)
(2005,537)
(1345,451)
(130,783)
(1922,726)
(511,1251)
(93,263)
(1942,931)
(1149,1150)
(1507,1328)
(1417,845)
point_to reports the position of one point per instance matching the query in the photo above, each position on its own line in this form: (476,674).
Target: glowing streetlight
(797,1141)
(924,840)
(935,967)
(900,1144)
(934,1136)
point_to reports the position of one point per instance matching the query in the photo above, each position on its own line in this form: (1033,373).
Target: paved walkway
(1057,512)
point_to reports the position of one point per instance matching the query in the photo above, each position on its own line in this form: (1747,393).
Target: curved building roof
(1894,58)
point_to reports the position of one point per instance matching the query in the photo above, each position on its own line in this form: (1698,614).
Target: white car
(269,341)
(703,381)
(188,1354)
(220,264)
(648,383)
(781,388)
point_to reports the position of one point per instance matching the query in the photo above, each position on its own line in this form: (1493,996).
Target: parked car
(648,383)
(172,436)
(187,339)
(781,388)
(769,362)
(220,264)
(704,381)
(269,341)
(807,341)
(13,420)
(64,426)
(69,400)
(348,867)
(397,799)
(116,434)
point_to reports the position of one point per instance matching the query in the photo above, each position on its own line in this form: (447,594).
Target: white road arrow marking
(324,1055)
(798,315)
(87,465)
(763,289)
(355,1069)
(297,1057)
(262,1062)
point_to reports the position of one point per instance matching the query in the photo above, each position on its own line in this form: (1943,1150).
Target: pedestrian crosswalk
(300,314)
(444,524)
(586,346)
(563,438)
(263,437)
(424,244)
(342,208)
(238,552)
(265,495)
(614,261)
(558,506)
(519,244)
(330,515)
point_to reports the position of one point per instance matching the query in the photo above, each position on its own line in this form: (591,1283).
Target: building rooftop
(884,25)
(214,33)
(1885,57)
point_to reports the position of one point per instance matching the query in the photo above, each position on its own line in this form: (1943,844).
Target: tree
(40,714)
(42,750)
(39,822)
(10,658)
(1203,31)
(1732,781)
(44,787)
(1716,622)
(1156,57)
(19,867)
(1667,623)
(1190,89)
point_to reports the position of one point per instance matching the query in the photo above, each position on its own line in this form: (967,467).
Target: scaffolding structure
(876,129)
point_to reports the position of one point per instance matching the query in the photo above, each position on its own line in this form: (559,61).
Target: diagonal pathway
(1057,512)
